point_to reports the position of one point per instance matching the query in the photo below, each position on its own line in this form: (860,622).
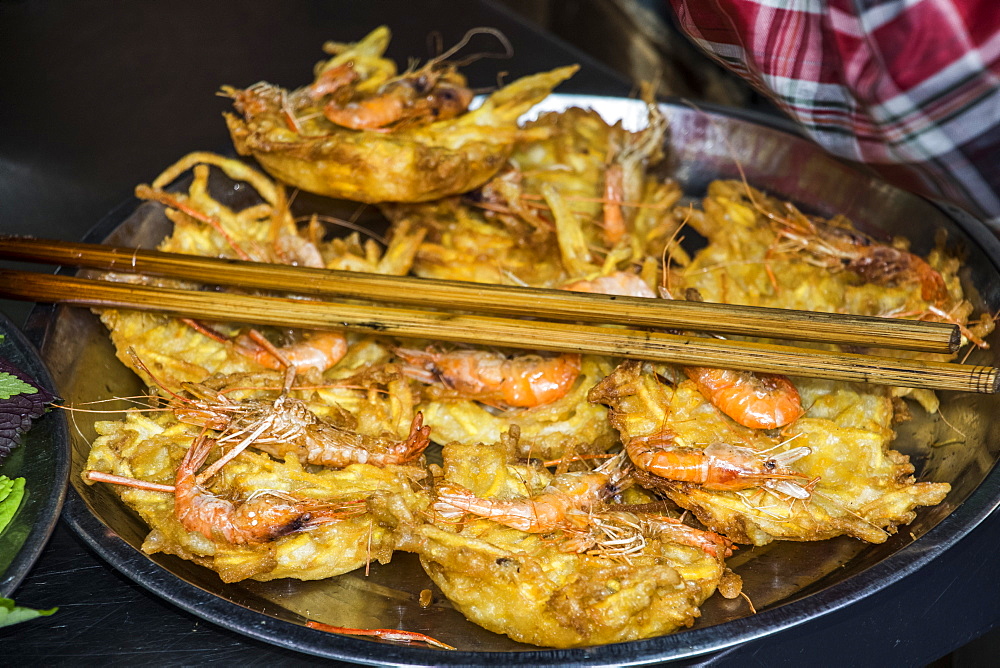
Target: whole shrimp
(375,100)
(287,425)
(564,504)
(841,247)
(755,400)
(432,93)
(315,350)
(265,516)
(624,174)
(836,245)
(719,466)
(758,401)
(491,377)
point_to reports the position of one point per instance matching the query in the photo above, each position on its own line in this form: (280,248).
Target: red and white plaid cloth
(911,87)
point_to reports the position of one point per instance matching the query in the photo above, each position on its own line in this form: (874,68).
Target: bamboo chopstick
(497,300)
(536,335)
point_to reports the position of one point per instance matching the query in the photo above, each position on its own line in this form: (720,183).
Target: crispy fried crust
(410,164)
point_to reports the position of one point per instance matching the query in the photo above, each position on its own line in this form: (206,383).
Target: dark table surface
(98,95)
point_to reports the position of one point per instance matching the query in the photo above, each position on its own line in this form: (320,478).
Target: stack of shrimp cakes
(562,500)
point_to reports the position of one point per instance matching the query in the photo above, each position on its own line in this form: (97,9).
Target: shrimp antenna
(346,224)
(847,510)
(139,363)
(508,51)
(667,256)
(778,445)
(135,401)
(953,427)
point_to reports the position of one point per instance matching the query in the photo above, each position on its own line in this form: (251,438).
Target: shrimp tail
(327,513)
(418,439)
(196,456)
(711,543)
(618,469)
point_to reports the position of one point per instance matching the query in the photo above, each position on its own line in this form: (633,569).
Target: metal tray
(789,582)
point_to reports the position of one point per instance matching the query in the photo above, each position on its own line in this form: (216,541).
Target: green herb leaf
(6,484)
(12,614)
(11,493)
(11,385)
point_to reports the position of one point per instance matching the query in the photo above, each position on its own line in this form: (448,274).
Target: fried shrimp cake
(765,252)
(565,426)
(606,577)
(520,585)
(363,132)
(832,472)
(577,201)
(258,518)
(184,350)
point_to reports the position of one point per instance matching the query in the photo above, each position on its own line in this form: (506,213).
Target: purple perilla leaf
(21,401)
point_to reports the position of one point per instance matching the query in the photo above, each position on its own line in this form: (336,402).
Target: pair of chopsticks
(560,330)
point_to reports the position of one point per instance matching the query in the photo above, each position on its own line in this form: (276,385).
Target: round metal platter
(42,459)
(789,582)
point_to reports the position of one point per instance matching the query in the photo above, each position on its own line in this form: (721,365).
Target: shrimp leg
(318,350)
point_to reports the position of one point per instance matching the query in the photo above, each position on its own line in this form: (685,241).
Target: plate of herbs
(34,464)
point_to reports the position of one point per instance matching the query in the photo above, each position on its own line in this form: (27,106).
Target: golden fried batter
(576,202)
(764,252)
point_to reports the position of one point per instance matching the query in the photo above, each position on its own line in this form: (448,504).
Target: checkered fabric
(911,87)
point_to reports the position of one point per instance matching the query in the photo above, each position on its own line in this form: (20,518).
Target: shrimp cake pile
(363,132)
(541,222)
(281,453)
(152,448)
(558,588)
